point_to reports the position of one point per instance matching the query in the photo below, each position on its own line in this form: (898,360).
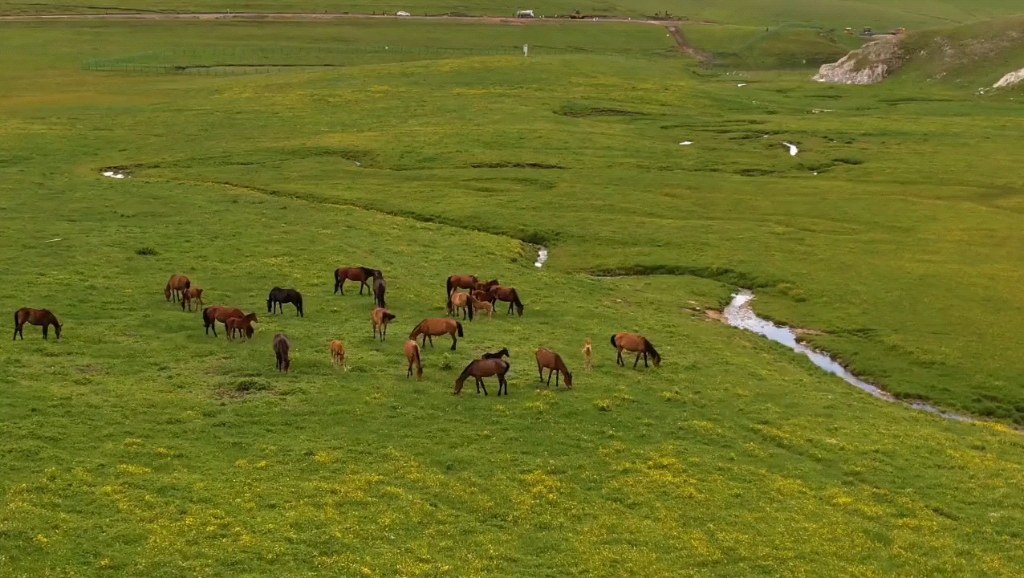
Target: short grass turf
(139,446)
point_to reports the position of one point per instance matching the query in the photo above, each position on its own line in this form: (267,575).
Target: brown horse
(35,317)
(281,348)
(430,328)
(509,294)
(482,368)
(175,286)
(412,355)
(481,286)
(460,301)
(635,343)
(211,315)
(484,306)
(338,354)
(483,296)
(243,325)
(380,319)
(547,359)
(192,294)
(458,282)
(360,274)
(379,289)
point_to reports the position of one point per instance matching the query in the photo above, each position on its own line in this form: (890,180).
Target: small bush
(252,384)
(146,251)
(445,362)
(603,405)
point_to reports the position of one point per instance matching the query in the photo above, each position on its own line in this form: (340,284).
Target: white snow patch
(686,143)
(1010,79)
(114,175)
(741,85)
(792,149)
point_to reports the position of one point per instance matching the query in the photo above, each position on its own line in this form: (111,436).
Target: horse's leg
(618,358)
(484,385)
(556,378)
(540,370)
(645,359)
(637,360)
(361,284)
(454,341)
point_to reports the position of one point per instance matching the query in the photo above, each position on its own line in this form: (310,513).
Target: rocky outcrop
(872,63)
(1011,79)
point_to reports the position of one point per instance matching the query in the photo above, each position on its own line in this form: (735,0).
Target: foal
(484,306)
(338,354)
(35,317)
(380,319)
(412,355)
(192,294)
(243,325)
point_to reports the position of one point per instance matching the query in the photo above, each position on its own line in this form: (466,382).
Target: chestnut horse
(338,354)
(243,325)
(175,286)
(635,343)
(460,301)
(35,317)
(412,355)
(484,306)
(380,319)
(509,294)
(458,282)
(547,359)
(481,368)
(190,295)
(360,274)
(215,313)
(430,328)
(281,348)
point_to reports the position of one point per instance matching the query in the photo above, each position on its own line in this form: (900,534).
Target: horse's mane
(649,348)
(465,372)
(367,271)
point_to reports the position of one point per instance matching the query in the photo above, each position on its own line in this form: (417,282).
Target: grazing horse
(360,274)
(482,368)
(278,297)
(338,354)
(459,282)
(412,355)
(588,355)
(484,306)
(192,294)
(175,286)
(380,319)
(429,328)
(215,313)
(460,301)
(35,317)
(509,294)
(379,288)
(497,354)
(243,325)
(635,343)
(281,348)
(547,359)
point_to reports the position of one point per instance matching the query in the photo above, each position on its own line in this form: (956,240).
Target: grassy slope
(831,13)
(127,446)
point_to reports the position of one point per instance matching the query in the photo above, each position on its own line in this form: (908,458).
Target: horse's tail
(337,279)
(517,302)
(206,317)
(448,285)
(613,342)
(650,350)
(389,317)
(459,327)
(469,306)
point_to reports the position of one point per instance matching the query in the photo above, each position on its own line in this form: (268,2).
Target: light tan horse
(551,361)
(484,306)
(380,319)
(175,286)
(192,294)
(412,355)
(588,355)
(430,328)
(35,317)
(637,344)
(459,301)
(481,368)
(338,354)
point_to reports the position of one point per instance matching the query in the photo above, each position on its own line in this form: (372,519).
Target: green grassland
(139,446)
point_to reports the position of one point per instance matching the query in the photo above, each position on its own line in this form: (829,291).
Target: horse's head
(58,328)
(270,304)
(251,318)
(568,380)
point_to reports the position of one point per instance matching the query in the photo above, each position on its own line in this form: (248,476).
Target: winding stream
(542,257)
(739,314)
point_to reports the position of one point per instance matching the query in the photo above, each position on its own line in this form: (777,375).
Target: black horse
(496,354)
(379,287)
(278,297)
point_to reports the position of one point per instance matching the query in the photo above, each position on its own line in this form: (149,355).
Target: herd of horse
(478,296)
